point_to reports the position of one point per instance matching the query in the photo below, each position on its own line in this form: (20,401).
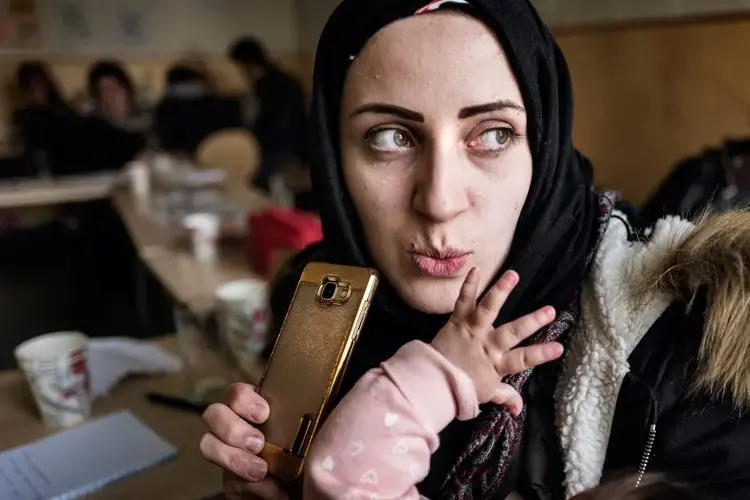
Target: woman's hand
(487,354)
(233,444)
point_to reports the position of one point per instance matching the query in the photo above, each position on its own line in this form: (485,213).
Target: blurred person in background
(43,124)
(36,87)
(113,97)
(117,123)
(190,110)
(275,111)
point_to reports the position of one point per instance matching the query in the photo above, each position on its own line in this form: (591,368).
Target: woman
(113,97)
(43,124)
(117,127)
(444,143)
(36,87)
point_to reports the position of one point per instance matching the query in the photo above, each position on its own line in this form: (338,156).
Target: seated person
(190,111)
(275,111)
(44,126)
(117,123)
(113,97)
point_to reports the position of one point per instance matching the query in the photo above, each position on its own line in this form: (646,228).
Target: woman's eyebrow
(479,109)
(389,109)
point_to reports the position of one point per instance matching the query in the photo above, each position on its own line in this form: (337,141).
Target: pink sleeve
(377,443)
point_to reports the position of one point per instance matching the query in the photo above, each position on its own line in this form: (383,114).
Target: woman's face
(39,92)
(113,97)
(435,155)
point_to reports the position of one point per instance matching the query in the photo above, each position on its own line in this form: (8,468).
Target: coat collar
(614,320)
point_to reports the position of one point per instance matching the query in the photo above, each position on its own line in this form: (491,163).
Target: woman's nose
(440,191)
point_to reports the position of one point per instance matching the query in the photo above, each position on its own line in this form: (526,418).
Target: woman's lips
(440,267)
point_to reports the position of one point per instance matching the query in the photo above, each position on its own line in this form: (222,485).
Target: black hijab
(558,224)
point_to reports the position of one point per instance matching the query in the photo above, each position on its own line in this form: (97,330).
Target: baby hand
(487,354)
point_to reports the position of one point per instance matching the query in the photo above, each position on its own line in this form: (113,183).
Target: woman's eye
(390,138)
(496,138)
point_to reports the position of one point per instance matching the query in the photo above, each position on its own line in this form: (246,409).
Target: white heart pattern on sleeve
(400,448)
(355,448)
(391,419)
(328,463)
(369,477)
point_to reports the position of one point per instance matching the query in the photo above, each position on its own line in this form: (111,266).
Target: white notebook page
(75,462)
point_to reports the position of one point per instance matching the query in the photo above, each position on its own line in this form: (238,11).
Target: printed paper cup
(56,369)
(243,316)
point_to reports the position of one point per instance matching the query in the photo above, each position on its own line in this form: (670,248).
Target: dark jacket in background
(181,124)
(66,143)
(281,126)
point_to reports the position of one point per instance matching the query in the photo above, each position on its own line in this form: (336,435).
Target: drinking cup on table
(55,365)
(139,178)
(243,317)
(204,233)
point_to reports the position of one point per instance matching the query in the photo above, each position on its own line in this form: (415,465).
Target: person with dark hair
(190,110)
(36,87)
(444,159)
(114,98)
(116,125)
(275,111)
(184,81)
(44,126)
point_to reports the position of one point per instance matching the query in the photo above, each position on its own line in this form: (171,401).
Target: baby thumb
(507,396)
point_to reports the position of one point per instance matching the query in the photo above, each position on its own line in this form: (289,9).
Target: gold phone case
(309,358)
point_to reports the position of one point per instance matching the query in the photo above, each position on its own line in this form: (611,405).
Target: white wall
(311,18)
(171,26)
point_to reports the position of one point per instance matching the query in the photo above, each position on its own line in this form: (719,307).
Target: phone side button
(361,319)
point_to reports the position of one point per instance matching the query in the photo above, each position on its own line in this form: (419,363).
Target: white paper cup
(139,178)
(243,315)
(204,232)
(56,368)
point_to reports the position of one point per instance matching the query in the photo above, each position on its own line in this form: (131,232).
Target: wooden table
(26,193)
(189,281)
(186,477)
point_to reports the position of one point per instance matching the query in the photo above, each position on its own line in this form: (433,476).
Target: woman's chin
(429,298)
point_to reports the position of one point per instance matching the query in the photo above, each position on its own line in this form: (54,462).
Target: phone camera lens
(329,291)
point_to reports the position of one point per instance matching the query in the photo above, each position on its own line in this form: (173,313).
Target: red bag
(278,233)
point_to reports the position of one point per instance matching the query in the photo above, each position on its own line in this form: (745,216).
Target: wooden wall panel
(646,97)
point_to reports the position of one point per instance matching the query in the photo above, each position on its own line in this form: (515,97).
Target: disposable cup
(204,233)
(243,316)
(55,365)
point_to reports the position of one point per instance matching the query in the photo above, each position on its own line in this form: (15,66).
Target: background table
(188,281)
(26,193)
(186,477)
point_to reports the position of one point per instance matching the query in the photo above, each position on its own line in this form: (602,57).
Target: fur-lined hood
(631,284)
(714,256)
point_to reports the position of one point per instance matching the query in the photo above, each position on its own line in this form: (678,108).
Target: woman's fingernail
(258,470)
(557,349)
(260,413)
(549,312)
(254,444)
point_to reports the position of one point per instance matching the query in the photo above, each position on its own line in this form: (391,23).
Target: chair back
(235,151)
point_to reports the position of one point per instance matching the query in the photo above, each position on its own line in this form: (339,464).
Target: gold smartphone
(309,359)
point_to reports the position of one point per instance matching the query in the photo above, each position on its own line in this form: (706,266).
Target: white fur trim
(596,362)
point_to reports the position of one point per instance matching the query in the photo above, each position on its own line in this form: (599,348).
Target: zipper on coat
(648,449)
